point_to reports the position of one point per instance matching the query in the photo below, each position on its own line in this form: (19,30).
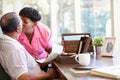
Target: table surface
(96,61)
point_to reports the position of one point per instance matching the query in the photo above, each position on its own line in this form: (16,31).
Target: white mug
(83,59)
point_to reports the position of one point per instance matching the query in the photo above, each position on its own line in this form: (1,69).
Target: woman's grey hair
(9,22)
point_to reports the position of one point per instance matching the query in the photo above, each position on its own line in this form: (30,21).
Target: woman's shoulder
(42,26)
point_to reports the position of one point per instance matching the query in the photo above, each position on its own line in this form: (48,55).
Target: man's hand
(52,73)
(43,65)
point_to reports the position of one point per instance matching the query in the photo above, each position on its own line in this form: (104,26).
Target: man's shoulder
(7,42)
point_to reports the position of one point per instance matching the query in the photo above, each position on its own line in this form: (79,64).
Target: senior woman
(36,37)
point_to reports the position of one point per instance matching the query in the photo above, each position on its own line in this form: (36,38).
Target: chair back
(3,74)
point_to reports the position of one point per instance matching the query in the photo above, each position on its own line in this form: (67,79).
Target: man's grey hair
(9,22)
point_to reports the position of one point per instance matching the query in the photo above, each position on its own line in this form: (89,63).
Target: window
(72,16)
(62,15)
(95,15)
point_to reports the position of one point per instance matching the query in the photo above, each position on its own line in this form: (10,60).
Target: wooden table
(65,74)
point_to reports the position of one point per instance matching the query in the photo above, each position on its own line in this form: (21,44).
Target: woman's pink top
(42,39)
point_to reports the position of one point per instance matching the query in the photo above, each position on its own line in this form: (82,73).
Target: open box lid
(77,43)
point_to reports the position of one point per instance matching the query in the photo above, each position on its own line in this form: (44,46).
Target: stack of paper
(56,50)
(81,70)
(110,72)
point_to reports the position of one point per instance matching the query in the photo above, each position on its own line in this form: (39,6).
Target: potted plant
(98,43)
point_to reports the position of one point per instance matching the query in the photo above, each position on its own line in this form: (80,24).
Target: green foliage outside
(95,23)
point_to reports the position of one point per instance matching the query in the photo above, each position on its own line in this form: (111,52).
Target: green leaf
(98,41)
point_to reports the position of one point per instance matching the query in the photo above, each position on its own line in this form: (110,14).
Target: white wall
(117,24)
